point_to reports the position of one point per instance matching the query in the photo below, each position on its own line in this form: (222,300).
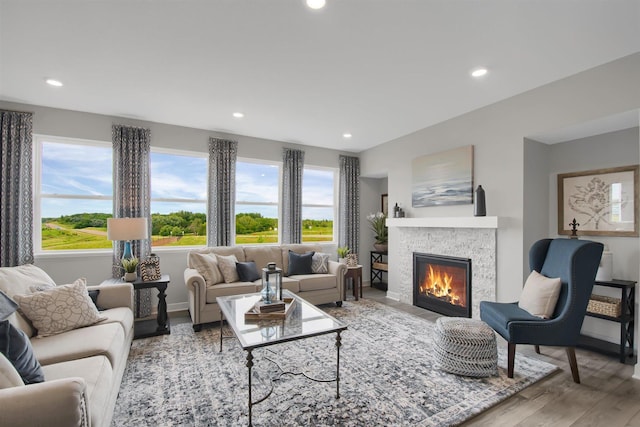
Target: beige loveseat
(82,367)
(317,288)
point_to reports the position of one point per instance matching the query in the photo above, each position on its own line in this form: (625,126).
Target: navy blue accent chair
(576,263)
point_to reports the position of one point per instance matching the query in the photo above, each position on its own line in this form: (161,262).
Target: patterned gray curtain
(293,166)
(16,196)
(349,210)
(222,192)
(132,194)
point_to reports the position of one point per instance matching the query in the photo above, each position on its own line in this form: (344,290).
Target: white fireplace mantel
(445,222)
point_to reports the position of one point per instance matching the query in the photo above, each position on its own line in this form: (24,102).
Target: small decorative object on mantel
(150,268)
(574,229)
(480,207)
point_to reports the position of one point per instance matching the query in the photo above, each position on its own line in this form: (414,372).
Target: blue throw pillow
(300,263)
(247,271)
(15,345)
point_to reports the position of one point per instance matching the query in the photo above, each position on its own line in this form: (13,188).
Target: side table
(152,327)
(355,274)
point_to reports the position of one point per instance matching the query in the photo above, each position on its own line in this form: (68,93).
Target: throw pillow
(300,263)
(540,295)
(94,297)
(60,309)
(320,263)
(247,271)
(207,266)
(16,347)
(227,266)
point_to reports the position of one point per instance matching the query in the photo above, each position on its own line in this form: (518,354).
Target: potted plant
(130,266)
(343,251)
(377,222)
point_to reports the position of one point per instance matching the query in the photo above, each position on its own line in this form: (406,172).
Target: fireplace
(442,284)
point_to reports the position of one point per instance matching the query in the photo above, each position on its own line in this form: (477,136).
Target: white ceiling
(378,69)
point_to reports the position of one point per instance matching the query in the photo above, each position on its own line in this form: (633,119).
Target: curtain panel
(349,209)
(222,192)
(293,166)
(16,195)
(132,194)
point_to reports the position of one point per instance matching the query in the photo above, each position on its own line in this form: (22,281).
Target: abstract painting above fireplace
(442,284)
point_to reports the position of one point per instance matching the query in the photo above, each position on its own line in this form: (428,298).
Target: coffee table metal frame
(315,321)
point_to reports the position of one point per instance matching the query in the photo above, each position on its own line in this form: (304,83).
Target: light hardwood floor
(607,397)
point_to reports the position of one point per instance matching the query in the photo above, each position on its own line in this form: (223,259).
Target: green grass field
(96,238)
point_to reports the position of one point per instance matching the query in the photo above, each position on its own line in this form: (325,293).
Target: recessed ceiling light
(346,135)
(479,72)
(53,82)
(316,4)
(238,115)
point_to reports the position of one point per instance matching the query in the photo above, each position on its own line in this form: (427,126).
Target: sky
(66,171)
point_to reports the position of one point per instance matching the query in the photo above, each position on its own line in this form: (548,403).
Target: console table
(379,266)
(152,327)
(625,349)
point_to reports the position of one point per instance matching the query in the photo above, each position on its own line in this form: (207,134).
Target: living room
(513,161)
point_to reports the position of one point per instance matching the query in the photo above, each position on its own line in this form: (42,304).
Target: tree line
(182,222)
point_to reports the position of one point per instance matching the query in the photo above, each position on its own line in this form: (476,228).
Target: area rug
(387,378)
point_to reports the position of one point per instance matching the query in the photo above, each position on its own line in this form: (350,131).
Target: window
(318,204)
(257,202)
(73,196)
(178,198)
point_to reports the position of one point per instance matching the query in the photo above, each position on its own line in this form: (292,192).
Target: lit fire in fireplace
(438,283)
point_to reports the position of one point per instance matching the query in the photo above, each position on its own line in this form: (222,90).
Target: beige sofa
(83,367)
(319,288)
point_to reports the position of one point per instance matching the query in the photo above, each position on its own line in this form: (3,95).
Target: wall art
(604,202)
(444,178)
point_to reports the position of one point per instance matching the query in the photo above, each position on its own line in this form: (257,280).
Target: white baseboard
(178,306)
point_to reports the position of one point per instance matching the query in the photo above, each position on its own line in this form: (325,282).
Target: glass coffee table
(304,320)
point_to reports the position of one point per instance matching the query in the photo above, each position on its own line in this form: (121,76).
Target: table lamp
(127,229)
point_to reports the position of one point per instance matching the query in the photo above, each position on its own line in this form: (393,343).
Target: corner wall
(497,132)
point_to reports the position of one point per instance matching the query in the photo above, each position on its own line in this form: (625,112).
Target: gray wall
(598,152)
(497,133)
(64,268)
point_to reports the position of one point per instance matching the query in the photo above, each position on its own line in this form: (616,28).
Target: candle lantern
(271,283)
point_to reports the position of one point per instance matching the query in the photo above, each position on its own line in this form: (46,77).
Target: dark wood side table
(355,274)
(151,327)
(624,349)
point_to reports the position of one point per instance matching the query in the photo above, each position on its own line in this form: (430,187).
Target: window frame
(184,153)
(37,149)
(335,173)
(278,204)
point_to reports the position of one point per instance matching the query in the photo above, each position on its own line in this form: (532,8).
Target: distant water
(437,193)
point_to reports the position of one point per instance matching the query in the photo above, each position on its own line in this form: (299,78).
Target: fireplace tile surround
(464,237)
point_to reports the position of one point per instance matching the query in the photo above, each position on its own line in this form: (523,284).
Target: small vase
(130,277)
(267,293)
(381,247)
(480,206)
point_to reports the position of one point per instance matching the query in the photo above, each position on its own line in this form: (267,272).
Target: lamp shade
(127,228)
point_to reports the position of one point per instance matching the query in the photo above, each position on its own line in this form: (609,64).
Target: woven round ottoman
(465,347)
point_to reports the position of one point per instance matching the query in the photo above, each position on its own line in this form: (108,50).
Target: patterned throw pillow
(60,309)
(207,266)
(227,265)
(320,263)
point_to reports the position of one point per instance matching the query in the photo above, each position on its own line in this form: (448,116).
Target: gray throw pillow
(247,271)
(300,263)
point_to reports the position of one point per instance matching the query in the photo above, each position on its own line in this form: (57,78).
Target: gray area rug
(387,378)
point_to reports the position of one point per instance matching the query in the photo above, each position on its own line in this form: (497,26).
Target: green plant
(130,265)
(343,251)
(377,221)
